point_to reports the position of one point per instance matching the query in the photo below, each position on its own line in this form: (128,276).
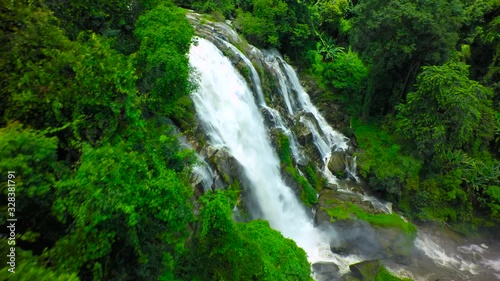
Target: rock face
(326,271)
(304,135)
(365,270)
(224,164)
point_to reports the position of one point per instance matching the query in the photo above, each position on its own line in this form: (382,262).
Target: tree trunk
(368,101)
(412,69)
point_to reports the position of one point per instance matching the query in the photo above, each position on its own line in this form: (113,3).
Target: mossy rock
(371,270)
(337,163)
(376,235)
(366,270)
(326,271)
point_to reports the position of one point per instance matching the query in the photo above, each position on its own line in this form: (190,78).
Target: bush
(383,163)
(225,250)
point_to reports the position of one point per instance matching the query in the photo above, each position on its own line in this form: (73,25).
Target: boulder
(325,200)
(332,186)
(341,250)
(224,164)
(337,164)
(326,271)
(395,244)
(365,270)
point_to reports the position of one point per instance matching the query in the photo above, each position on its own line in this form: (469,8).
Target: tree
(277,23)
(331,16)
(129,209)
(50,81)
(344,74)
(32,155)
(447,111)
(162,65)
(395,38)
(112,19)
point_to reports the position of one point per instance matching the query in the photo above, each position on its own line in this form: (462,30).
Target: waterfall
(326,139)
(226,107)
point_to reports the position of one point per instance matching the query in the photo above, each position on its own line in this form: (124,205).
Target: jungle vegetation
(91,92)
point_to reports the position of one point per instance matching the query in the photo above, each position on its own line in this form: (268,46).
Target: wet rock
(395,243)
(304,135)
(343,251)
(365,270)
(199,190)
(291,182)
(358,236)
(326,271)
(224,164)
(322,217)
(337,164)
(332,186)
(269,122)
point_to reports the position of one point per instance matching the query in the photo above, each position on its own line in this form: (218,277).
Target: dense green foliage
(425,85)
(225,250)
(396,37)
(383,163)
(162,67)
(276,23)
(91,89)
(283,24)
(92,159)
(341,74)
(448,111)
(90,93)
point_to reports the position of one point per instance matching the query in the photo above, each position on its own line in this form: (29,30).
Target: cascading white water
(280,124)
(226,107)
(228,111)
(439,255)
(326,138)
(255,75)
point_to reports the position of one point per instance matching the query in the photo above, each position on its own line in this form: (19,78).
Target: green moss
(385,275)
(347,210)
(284,151)
(225,178)
(233,192)
(308,194)
(245,71)
(266,81)
(314,177)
